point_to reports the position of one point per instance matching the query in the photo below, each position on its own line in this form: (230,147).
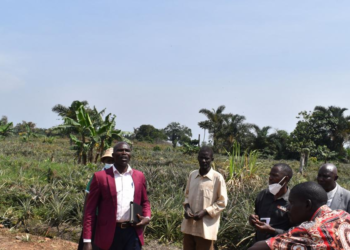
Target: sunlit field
(42,189)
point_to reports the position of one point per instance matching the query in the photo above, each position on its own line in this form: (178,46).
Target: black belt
(123,225)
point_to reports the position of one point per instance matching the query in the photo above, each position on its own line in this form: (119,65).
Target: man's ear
(336,178)
(308,204)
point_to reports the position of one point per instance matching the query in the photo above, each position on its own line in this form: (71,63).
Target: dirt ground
(15,240)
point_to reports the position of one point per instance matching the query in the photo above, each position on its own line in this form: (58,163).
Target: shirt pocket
(207,197)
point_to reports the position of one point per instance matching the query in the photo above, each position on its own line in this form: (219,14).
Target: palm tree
(336,128)
(235,130)
(280,139)
(70,111)
(214,123)
(261,139)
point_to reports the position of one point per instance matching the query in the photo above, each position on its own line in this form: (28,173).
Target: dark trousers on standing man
(125,239)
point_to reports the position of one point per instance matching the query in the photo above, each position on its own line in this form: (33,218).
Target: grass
(42,189)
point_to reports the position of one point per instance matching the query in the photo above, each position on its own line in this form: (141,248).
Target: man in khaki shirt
(205,198)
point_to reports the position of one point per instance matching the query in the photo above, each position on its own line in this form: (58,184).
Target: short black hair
(207,149)
(286,169)
(119,143)
(310,191)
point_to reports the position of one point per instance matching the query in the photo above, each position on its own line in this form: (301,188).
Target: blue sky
(155,62)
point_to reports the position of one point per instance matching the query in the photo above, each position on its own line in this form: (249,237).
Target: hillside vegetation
(42,189)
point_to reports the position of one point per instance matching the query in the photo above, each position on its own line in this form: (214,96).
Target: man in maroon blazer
(111,191)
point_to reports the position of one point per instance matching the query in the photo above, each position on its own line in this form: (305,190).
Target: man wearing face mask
(270,216)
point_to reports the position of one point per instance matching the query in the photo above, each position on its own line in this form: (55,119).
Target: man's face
(276,175)
(122,154)
(108,160)
(326,178)
(296,210)
(204,160)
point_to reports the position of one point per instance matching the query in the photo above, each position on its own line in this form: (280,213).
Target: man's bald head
(330,167)
(327,176)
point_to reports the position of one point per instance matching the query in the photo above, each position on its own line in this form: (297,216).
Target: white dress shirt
(330,195)
(125,193)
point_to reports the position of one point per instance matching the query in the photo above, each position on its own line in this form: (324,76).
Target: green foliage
(29,133)
(189,149)
(325,153)
(177,133)
(156,148)
(94,133)
(48,139)
(214,124)
(242,166)
(148,133)
(6,129)
(321,130)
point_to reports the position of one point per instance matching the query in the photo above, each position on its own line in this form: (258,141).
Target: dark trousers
(125,239)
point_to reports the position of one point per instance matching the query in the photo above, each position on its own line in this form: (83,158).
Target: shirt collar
(129,170)
(331,193)
(209,175)
(285,196)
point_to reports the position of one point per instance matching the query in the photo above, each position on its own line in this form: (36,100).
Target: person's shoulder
(194,172)
(218,175)
(137,172)
(343,189)
(263,192)
(100,173)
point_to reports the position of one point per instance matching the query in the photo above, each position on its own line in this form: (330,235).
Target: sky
(156,62)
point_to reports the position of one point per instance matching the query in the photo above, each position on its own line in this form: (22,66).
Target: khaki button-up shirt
(205,192)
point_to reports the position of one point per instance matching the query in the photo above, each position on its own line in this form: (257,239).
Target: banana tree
(84,128)
(6,130)
(97,134)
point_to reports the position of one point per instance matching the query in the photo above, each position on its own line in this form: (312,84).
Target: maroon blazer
(104,196)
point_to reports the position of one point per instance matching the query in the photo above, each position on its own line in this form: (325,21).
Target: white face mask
(276,187)
(107,166)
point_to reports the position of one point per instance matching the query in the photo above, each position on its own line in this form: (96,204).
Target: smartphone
(266,220)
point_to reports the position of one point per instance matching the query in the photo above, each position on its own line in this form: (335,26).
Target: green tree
(214,124)
(334,127)
(23,127)
(235,130)
(71,110)
(280,140)
(91,135)
(149,133)
(6,129)
(303,138)
(177,133)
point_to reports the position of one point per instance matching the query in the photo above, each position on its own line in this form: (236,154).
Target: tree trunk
(302,162)
(83,152)
(199,140)
(96,158)
(307,154)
